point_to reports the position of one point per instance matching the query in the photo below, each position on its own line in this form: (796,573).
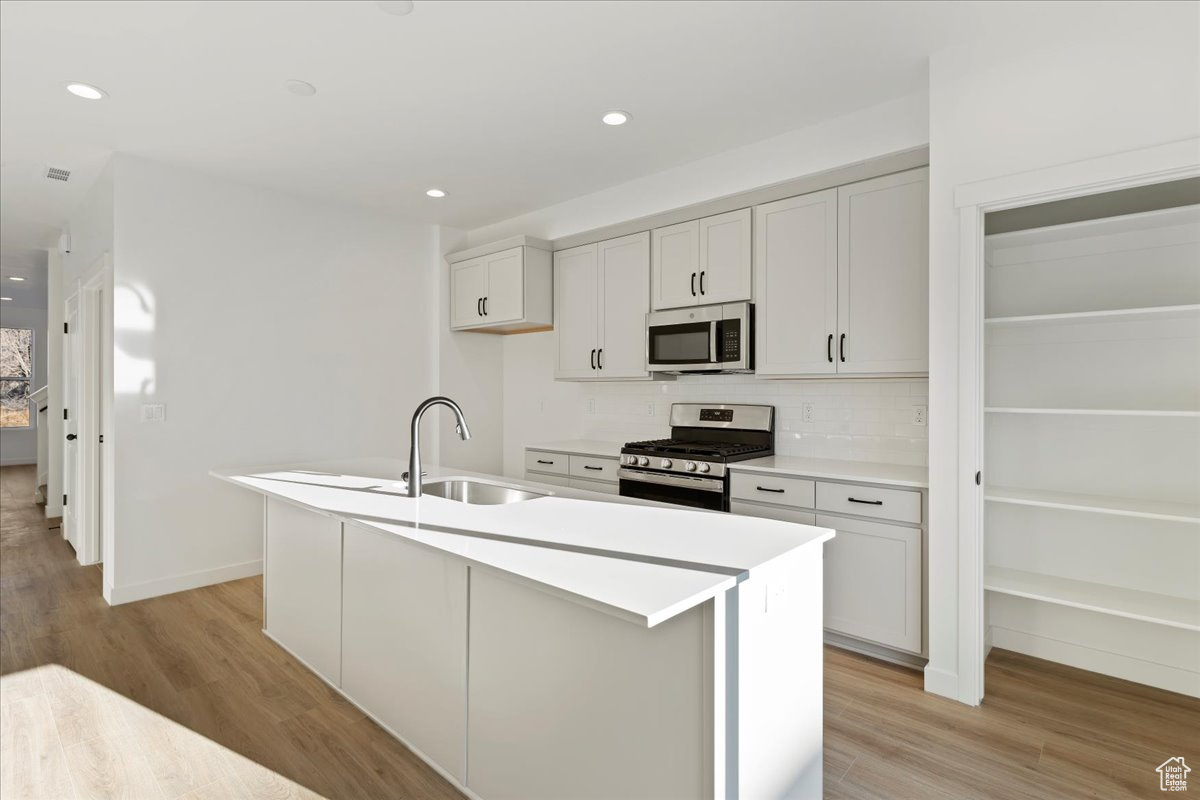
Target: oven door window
(687,343)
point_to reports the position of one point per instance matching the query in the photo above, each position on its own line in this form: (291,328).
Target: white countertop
(583,447)
(836,469)
(640,561)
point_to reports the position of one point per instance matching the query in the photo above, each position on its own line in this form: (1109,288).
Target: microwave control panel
(731,343)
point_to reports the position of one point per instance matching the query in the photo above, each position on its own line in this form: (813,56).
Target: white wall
(91,230)
(538,408)
(54,378)
(19,445)
(272,328)
(1121,76)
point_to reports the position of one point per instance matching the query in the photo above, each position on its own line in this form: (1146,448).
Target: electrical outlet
(921,415)
(650,409)
(810,412)
(591,405)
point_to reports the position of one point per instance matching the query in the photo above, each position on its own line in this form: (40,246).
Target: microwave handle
(714,331)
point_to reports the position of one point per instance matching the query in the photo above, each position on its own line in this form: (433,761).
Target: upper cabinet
(507,291)
(601,298)
(702,261)
(842,279)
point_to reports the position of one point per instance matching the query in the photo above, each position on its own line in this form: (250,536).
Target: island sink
(478,493)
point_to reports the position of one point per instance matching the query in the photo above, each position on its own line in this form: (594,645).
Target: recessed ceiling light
(86,91)
(15,278)
(399,8)
(435,192)
(302,88)
(616,117)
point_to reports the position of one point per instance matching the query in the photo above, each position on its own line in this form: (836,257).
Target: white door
(795,256)
(675,266)
(624,303)
(883,274)
(725,258)
(504,300)
(873,582)
(72,374)
(468,285)
(575,312)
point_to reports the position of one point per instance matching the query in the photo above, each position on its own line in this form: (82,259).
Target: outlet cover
(591,405)
(650,409)
(810,412)
(920,415)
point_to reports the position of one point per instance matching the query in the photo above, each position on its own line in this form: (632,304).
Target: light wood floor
(182,696)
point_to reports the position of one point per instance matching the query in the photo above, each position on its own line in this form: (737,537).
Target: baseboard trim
(941,682)
(878,651)
(181,583)
(1115,665)
(17,461)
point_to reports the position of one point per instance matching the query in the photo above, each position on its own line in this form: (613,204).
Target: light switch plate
(153,412)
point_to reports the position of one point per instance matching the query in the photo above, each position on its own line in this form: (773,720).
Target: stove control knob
(666,463)
(704,468)
(643,461)
(630,459)
(690,466)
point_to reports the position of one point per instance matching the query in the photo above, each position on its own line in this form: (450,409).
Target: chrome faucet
(414,452)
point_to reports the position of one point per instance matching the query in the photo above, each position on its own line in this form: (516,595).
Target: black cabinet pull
(765,489)
(485,306)
(593,358)
(71,437)
(693,284)
(829,349)
(842,348)
(597,469)
(701,281)
(865,502)
(479,306)
(600,358)
(542,461)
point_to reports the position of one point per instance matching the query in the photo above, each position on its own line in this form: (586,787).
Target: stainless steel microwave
(701,339)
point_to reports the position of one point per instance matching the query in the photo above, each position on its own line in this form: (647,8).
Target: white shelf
(1088,317)
(1118,506)
(1160,609)
(1099,412)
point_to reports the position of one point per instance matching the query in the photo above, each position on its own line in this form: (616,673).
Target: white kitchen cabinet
(303,586)
(703,261)
(873,582)
(601,300)
(796,283)
(883,274)
(507,291)
(404,645)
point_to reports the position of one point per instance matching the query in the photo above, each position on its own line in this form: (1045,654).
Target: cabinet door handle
(71,437)
(829,348)
(865,502)
(485,306)
(543,461)
(597,469)
(593,359)
(693,284)
(600,358)
(842,348)
(765,489)
(479,306)
(701,281)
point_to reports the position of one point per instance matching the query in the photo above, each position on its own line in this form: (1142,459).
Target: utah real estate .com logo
(1172,775)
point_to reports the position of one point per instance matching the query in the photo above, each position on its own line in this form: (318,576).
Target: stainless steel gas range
(690,468)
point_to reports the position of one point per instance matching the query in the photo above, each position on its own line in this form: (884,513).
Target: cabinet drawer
(873,582)
(773,512)
(867,501)
(779,490)
(546,478)
(541,461)
(594,469)
(603,487)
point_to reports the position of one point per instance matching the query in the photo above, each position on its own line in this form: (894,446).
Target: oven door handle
(683,481)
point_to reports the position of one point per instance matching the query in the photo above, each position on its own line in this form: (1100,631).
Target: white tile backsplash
(859,420)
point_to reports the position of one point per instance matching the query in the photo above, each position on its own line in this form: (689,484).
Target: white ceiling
(496,102)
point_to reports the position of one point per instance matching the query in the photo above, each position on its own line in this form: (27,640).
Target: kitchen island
(563,646)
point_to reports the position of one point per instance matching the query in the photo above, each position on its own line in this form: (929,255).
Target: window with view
(16,371)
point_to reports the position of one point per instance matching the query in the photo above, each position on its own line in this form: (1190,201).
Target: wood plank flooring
(183,697)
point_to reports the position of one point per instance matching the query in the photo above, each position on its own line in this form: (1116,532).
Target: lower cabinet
(574,470)
(873,581)
(302,609)
(404,648)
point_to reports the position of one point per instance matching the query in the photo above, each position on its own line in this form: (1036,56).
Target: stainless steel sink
(479,493)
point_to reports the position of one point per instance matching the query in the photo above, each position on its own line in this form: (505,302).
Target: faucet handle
(404,475)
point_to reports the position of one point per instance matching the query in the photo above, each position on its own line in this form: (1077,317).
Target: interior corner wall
(19,445)
(272,328)
(470,372)
(1114,78)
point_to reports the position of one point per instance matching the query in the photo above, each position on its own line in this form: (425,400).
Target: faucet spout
(414,452)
